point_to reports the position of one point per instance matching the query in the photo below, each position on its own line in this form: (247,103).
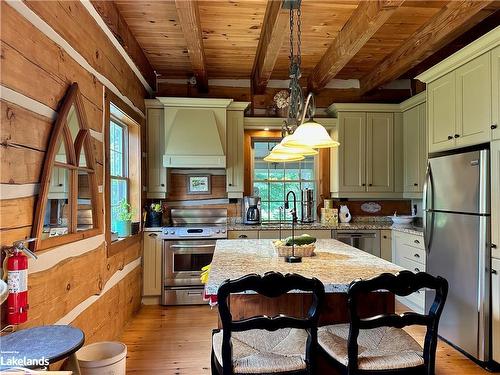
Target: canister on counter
(329,216)
(328,203)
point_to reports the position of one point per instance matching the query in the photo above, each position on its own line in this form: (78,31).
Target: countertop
(336,264)
(359,225)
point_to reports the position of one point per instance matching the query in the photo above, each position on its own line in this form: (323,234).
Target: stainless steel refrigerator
(457,239)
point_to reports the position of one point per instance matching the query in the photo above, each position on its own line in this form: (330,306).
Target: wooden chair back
(273,285)
(401,284)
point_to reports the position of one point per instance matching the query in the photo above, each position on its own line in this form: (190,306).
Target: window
(271,181)
(118,156)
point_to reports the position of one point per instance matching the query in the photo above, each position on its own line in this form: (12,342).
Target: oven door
(183,260)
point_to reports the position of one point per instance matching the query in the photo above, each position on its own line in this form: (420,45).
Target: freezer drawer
(457,249)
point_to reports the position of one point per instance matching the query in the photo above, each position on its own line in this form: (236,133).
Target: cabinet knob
(415,184)
(363,184)
(162,185)
(153,235)
(370,185)
(494,272)
(416,241)
(450,137)
(494,126)
(493,246)
(384,236)
(230,184)
(60,185)
(457,135)
(416,255)
(242,236)
(417,270)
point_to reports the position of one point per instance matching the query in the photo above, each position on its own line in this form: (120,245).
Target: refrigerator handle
(428,211)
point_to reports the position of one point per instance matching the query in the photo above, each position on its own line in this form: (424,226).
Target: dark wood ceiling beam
(273,32)
(364,22)
(111,16)
(452,20)
(189,19)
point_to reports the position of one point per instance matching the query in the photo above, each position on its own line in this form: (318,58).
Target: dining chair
(378,344)
(267,345)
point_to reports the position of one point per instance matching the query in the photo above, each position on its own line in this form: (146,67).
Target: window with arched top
(68,197)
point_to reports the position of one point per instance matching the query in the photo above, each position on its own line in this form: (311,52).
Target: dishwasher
(366,240)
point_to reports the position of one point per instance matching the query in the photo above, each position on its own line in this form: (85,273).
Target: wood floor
(176,340)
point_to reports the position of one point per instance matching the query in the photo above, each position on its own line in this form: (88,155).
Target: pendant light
(285,147)
(300,138)
(276,157)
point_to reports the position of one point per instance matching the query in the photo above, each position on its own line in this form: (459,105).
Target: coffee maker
(251,210)
(307,214)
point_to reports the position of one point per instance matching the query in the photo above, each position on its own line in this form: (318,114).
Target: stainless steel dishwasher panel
(366,240)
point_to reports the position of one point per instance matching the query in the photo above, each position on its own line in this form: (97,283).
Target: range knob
(217,231)
(223,231)
(172,232)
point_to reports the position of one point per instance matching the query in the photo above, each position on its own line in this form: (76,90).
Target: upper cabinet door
(442,112)
(235,154)
(473,87)
(411,149)
(352,152)
(495,102)
(380,152)
(157,173)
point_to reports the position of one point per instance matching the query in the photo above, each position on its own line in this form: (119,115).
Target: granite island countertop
(336,264)
(356,225)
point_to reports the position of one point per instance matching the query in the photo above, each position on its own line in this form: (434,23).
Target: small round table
(39,346)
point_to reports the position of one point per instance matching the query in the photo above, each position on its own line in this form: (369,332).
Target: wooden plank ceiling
(367,40)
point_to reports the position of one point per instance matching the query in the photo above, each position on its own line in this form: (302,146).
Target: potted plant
(155,213)
(123,224)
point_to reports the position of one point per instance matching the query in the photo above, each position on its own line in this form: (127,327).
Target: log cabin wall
(45,46)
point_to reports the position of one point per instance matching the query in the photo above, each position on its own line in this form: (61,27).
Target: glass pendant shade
(301,150)
(275,157)
(310,134)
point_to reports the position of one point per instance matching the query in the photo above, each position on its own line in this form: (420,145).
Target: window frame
(118,111)
(269,182)
(125,159)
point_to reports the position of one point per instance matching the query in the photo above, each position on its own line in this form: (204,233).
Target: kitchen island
(335,264)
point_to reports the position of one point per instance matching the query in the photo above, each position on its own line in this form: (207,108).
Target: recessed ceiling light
(266,129)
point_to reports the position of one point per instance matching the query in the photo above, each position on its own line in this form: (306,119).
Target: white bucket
(103,358)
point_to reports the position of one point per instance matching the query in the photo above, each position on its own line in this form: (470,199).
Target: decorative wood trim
(111,22)
(413,101)
(61,129)
(451,21)
(189,19)
(363,107)
(364,22)
(195,102)
(478,47)
(114,280)
(48,31)
(23,101)
(275,123)
(273,32)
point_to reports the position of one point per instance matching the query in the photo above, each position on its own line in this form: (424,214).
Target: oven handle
(191,246)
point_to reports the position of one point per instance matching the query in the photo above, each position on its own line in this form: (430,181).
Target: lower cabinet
(386,244)
(495,308)
(408,251)
(151,262)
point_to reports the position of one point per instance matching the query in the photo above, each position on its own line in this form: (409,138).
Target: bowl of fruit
(304,246)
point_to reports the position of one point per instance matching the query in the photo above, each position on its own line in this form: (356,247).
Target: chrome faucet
(292,258)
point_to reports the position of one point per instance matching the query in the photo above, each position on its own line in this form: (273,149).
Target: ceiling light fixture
(299,137)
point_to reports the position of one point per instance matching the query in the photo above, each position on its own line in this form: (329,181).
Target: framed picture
(198,184)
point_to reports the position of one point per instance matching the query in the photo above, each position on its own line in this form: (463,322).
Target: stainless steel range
(189,245)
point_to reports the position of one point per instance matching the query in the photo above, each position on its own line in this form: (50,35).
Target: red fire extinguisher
(17,281)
